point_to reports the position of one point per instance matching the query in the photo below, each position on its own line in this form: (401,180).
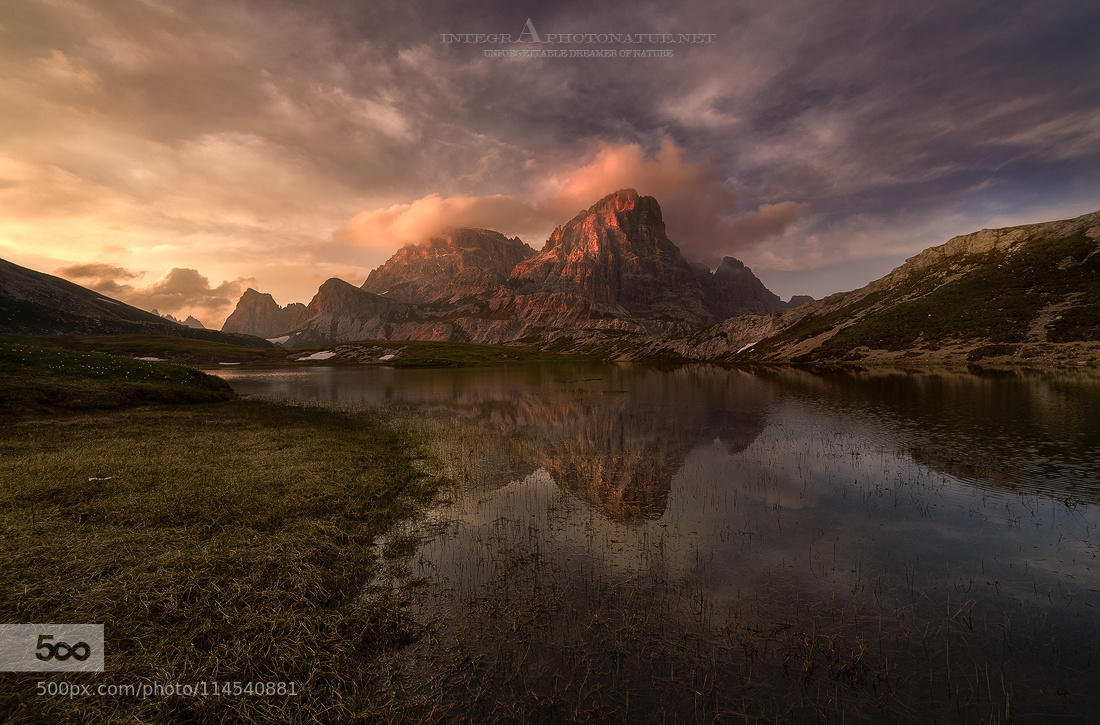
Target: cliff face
(447,268)
(258,314)
(616,254)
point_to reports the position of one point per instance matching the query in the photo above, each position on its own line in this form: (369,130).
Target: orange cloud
(666,175)
(400,224)
(698,207)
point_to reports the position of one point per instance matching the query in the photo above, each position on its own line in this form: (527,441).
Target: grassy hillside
(33,303)
(1025,297)
(997,298)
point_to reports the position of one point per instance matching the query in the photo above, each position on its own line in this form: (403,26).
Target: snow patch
(746,347)
(152,359)
(384,358)
(279,340)
(237,363)
(323,355)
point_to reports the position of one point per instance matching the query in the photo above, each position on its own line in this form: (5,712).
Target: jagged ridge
(612,267)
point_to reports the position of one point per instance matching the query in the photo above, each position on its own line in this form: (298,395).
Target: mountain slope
(1012,295)
(732,289)
(40,304)
(341,311)
(448,267)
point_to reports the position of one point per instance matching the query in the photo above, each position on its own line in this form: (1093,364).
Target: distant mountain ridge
(612,267)
(189,321)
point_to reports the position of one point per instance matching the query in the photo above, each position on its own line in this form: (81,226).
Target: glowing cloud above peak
(698,207)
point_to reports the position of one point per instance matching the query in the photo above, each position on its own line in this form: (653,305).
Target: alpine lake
(616,541)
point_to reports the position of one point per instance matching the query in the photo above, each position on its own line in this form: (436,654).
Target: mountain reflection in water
(702,542)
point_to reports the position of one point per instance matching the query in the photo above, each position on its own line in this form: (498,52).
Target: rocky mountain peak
(624,200)
(624,219)
(617,254)
(456,263)
(191,322)
(258,314)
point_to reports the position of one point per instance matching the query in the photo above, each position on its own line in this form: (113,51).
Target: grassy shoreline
(222,539)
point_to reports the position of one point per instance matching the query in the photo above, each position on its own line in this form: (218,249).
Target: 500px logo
(63,689)
(51,647)
(61,650)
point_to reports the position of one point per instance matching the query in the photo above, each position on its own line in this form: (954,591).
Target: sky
(171,154)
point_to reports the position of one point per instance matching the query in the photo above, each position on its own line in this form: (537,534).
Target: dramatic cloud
(384,230)
(695,203)
(698,208)
(287,141)
(179,292)
(666,175)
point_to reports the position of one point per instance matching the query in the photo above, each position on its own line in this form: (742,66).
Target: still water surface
(698,543)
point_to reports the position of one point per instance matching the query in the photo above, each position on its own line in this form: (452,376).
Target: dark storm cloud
(215,134)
